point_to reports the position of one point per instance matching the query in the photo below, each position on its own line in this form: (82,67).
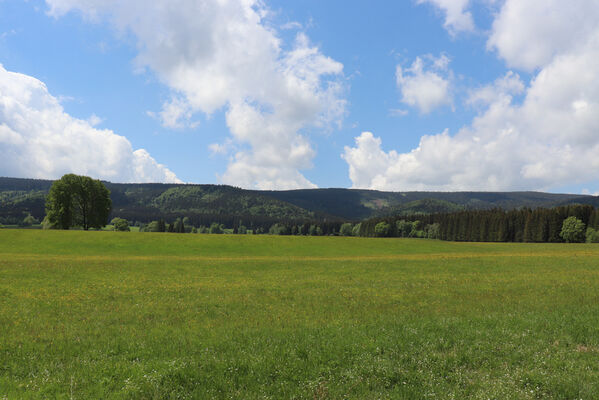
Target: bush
(151,227)
(416,231)
(356,230)
(315,230)
(404,228)
(573,230)
(121,225)
(217,228)
(432,231)
(278,229)
(382,229)
(346,229)
(30,220)
(592,235)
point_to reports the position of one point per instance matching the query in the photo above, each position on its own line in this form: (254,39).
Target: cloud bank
(547,140)
(39,140)
(223,55)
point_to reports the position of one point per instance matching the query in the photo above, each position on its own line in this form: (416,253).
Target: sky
(444,95)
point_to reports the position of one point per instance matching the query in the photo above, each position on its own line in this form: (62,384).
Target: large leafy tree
(573,230)
(76,200)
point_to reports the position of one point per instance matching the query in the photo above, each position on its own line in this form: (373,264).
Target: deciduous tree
(76,200)
(573,230)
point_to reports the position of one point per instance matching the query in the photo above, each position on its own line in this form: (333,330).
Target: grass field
(88,315)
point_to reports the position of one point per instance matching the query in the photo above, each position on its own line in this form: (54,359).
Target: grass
(150,316)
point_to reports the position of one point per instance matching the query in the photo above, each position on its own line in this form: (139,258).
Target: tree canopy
(573,230)
(382,229)
(76,200)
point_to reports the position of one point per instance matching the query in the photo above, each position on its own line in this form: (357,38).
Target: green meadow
(86,315)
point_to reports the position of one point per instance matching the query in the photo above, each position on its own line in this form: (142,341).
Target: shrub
(432,231)
(151,227)
(120,224)
(404,228)
(592,235)
(382,229)
(30,220)
(416,230)
(217,228)
(278,229)
(346,229)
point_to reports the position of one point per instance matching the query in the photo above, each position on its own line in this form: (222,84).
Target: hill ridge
(225,203)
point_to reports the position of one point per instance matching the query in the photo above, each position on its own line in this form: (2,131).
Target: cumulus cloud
(175,114)
(528,34)
(426,84)
(547,140)
(223,55)
(457,18)
(503,88)
(39,140)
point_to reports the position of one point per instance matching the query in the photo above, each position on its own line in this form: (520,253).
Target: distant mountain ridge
(221,203)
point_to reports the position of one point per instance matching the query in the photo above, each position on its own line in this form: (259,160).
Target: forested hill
(360,204)
(225,204)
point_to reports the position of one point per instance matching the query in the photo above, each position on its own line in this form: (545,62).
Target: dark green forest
(458,216)
(519,225)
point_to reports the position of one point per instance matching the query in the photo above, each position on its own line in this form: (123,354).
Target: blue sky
(405,95)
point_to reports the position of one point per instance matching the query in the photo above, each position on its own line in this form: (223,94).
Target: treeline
(523,225)
(230,221)
(242,226)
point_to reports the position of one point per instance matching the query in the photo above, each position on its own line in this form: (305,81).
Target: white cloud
(368,163)
(398,112)
(530,33)
(457,18)
(94,120)
(502,89)
(39,140)
(175,114)
(223,55)
(548,140)
(426,89)
(221,148)
(291,25)
(4,35)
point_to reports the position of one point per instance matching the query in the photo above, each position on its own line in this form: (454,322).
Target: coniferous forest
(520,225)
